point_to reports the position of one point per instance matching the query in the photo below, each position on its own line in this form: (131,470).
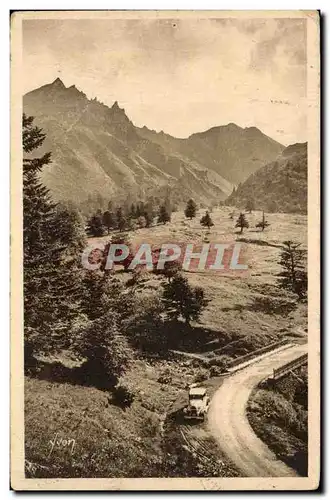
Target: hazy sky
(180,76)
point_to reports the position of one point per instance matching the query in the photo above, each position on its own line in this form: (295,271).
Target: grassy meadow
(246,311)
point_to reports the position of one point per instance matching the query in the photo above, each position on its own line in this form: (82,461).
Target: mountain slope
(230,151)
(280,186)
(98,150)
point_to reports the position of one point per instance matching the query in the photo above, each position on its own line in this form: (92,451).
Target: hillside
(280,186)
(245,312)
(230,151)
(98,150)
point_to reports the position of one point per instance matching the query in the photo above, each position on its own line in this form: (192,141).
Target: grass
(111,442)
(279,416)
(241,303)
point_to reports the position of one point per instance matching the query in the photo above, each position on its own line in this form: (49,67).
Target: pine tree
(108,220)
(250,205)
(242,222)
(52,242)
(190,210)
(140,210)
(149,213)
(105,351)
(293,276)
(121,220)
(171,269)
(95,225)
(38,211)
(133,211)
(96,295)
(68,229)
(164,216)
(206,220)
(263,223)
(182,300)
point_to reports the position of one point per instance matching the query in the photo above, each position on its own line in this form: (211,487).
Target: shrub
(221,362)
(122,396)
(150,426)
(201,375)
(165,377)
(215,371)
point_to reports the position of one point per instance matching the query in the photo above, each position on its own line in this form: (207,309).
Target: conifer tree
(171,269)
(206,220)
(106,352)
(95,225)
(242,222)
(133,211)
(51,251)
(293,275)
(263,223)
(108,220)
(121,220)
(164,215)
(149,212)
(182,300)
(140,210)
(250,205)
(190,210)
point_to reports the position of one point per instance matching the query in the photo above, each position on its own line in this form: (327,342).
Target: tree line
(137,215)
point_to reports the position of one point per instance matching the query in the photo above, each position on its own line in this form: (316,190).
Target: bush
(165,377)
(215,371)
(122,396)
(151,426)
(221,363)
(201,375)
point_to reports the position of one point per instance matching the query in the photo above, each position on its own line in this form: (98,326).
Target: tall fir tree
(250,205)
(293,275)
(206,220)
(121,219)
(133,211)
(51,251)
(164,215)
(108,220)
(95,225)
(190,210)
(242,222)
(149,212)
(181,300)
(263,223)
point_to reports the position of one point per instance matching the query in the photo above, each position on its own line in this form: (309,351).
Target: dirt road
(228,422)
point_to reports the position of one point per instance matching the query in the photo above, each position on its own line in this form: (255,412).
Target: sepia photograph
(165,249)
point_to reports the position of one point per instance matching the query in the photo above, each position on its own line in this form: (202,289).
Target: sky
(180,75)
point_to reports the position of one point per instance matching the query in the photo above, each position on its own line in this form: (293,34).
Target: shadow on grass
(150,339)
(88,374)
(266,305)
(156,339)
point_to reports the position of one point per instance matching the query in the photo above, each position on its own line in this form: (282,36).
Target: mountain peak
(58,83)
(115,106)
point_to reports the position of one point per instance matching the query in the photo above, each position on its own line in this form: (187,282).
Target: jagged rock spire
(58,83)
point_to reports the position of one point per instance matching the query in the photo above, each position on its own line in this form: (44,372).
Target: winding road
(228,421)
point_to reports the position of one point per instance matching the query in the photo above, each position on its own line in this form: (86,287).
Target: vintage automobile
(198,403)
